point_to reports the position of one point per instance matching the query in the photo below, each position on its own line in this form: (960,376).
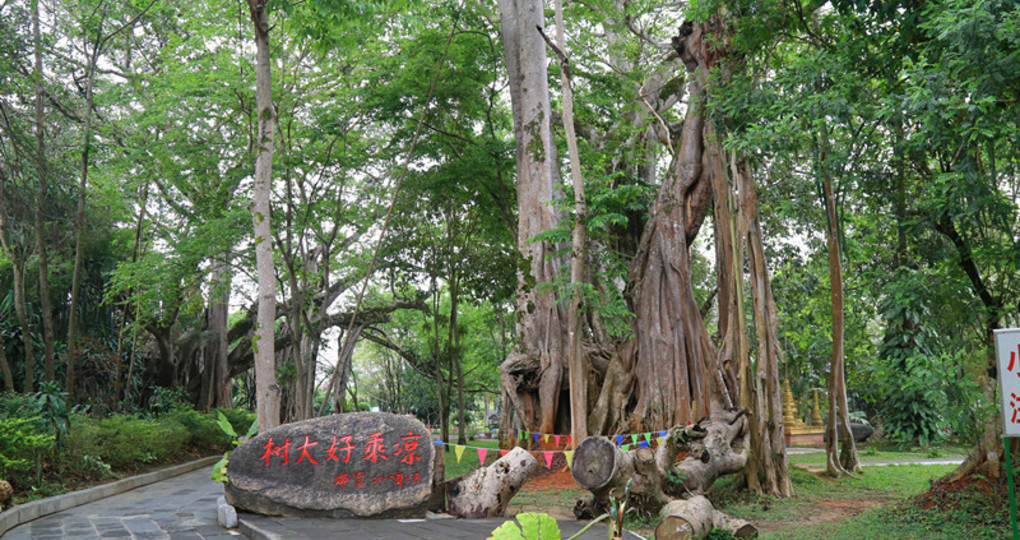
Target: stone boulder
(362,465)
(861,432)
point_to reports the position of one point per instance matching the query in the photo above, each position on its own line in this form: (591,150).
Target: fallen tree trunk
(695,518)
(487,491)
(687,461)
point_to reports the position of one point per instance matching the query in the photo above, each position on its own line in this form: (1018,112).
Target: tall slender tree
(267,390)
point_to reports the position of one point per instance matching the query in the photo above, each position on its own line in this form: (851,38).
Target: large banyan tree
(668,370)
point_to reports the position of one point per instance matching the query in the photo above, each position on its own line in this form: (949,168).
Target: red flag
(548,459)
(503,453)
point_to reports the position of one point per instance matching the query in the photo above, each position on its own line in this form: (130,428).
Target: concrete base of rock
(226,514)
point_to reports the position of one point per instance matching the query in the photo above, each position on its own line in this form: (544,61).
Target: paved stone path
(184,508)
(180,508)
(267,528)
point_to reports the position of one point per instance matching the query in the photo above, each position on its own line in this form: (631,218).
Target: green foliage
(219,472)
(164,400)
(51,403)
(533,526)
(126,442)
(22,444)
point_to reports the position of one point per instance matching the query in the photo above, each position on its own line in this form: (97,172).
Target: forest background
(129,131)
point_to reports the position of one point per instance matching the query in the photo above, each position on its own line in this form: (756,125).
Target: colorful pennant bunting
(458,450)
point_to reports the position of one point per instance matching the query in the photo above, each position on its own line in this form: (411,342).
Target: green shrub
(22,444)
(201,428)
(165,400)
(128,442)
(239,419)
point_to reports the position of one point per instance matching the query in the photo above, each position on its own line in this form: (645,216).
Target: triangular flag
(568,440)
(660,440)
(459,450)
(619,440)
(648,436)
(662,433)
(633,438)
(481,455)
(515,432)
(645,443)
(505,452)
(548,459)
(545,438)
(524,434)
(556,439)
(569,454)
(625,447)
(536,436)
(439,442)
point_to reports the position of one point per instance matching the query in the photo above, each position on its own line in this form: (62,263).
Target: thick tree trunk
(45,306)
(670,354)
(695,518)
(532,374)
(486,492)
(267,389)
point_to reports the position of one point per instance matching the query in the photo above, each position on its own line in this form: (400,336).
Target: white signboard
(1007,355)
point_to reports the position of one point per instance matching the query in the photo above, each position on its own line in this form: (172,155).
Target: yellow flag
(569,454)
(545,438)
(459,450)
(660,440)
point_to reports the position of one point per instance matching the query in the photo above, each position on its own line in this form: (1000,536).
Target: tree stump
(487,491)
(695,518)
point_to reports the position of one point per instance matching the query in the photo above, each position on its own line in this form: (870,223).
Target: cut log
(706,451)
(603,469)
(486,492)
(695,518)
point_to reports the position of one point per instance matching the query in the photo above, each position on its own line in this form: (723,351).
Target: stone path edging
(24,513)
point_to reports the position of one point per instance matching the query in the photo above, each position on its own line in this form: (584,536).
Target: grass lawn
(469,459)
(873,506)
(888,453)
(877,505)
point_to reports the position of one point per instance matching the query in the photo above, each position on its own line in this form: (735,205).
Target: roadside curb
(23,513)
(253,531)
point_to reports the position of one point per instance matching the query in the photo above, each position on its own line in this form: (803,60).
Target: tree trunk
(845,462)
(45,306)
(223,388)
(486,492)
(670,353)
(27,337)
(532,374)
(74,317)
(576,361)
(267,389)
(768,438)
(695,518)
(5,368)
